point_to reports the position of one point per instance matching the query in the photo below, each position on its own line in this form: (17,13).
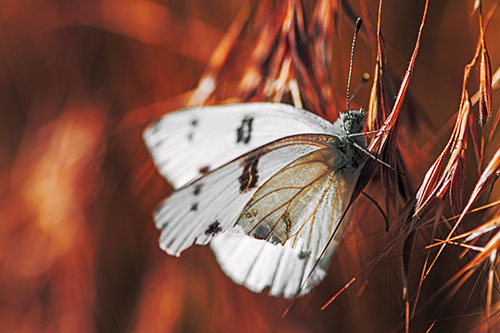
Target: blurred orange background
(79,81)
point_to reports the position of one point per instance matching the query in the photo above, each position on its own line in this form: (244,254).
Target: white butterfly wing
(213,203)
(258,264)
(188,143)
(293,215)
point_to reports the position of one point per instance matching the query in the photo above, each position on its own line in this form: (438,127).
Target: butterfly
(265,184)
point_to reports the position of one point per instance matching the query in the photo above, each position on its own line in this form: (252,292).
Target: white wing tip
(171,251)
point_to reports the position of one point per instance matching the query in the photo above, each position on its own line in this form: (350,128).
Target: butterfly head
(353,121)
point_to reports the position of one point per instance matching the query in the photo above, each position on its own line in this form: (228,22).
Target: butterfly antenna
(358,26)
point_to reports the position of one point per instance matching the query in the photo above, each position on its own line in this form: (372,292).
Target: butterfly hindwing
(188,143)
(293,215)
(212,204)
(296,196)
(258,264)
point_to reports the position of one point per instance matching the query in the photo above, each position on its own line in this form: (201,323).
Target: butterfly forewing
(191,142)
(212,204)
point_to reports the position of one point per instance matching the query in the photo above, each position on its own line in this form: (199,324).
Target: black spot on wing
(194,123)
(194,207)
(262,231)
(213,229)
(244,132)
(275,240)
(204,169)
(197,189)
(163,225)
(304,255)
(250,174)
(157,214)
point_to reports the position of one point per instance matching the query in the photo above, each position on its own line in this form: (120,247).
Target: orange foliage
(80,80)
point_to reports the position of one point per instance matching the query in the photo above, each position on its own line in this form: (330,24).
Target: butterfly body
(278,184)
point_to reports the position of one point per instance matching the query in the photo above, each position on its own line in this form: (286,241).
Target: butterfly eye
(348,125)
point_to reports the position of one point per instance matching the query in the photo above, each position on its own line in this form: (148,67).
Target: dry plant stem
(485,76)
(457,165)
(338,293)
(476,232)
(367,268)
(407,316)
(208,81)
(431,187)
(468,270)
(377,103)
(491,273)
(380,142)
(488,174)
(436,219)
(492,244)
(430,327)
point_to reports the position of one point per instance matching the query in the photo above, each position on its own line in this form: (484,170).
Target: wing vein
(285,203)
(327,188)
